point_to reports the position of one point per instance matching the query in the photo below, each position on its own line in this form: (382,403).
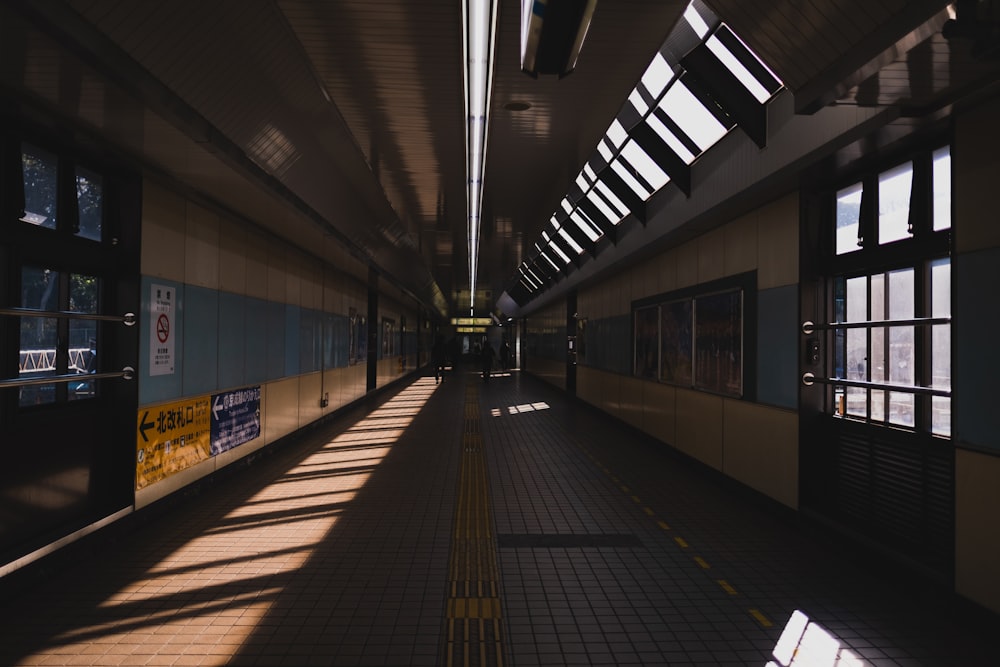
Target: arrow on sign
(216,407)
(145,426)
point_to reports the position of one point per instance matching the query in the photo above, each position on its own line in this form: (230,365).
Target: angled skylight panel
(637,101)
(645,166)
(570,241)
(602,191)
(555,248)
(657,76)
(695,20)
(594,198)
(739,59)
(617,135)
(669,136)
(691,116)
(586,226)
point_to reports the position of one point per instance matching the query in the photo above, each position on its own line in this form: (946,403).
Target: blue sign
(235,418)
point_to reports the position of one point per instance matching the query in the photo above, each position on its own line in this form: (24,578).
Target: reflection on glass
(901,294)
(646,342)
(848,215)
(39,335)
(942,188)
(40,186)
(675,344)
(90,203)
(84,292)
(719,343)
(894,203)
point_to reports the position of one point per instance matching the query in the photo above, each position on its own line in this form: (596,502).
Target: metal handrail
(808,379)
(126,373)
(128,319)
(811,327)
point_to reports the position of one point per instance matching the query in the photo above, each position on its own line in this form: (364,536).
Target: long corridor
(475,523)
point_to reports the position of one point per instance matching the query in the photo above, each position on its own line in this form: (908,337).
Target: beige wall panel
(611,394)
(699,426)
(741,245)
(232,257)
(761,449)
(164,227)
(309,396)
(553,372)
(333,380)
(686,260)
(312,292)
(588,385)
(778,243)
(666,268)
(201,247)
(659,416)
(257,271)
(711,255)
(281,408)
(277,278)
(294,269)
(975,165)
(977,531)
(630,400)
(356,383)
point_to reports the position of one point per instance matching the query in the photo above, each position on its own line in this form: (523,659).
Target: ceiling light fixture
(479,37)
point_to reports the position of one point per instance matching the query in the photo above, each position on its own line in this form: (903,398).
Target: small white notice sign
(161,330)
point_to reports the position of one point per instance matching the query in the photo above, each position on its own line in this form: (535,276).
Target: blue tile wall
(232,340)
(275,325)
(256,340)
(201,336)
(293,315)
(777,346)
(976,420)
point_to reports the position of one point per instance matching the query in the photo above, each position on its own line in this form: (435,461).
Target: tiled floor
(335,550)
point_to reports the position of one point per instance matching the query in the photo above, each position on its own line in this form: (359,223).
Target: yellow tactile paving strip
(474,632)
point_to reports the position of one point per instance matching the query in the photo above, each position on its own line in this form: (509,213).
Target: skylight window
(605,210)
(609,196)
(675,144)
(605,150)
(657,76)
(581,220)
(557,250)
(570,242)
(691,115)
(581,182)
(629,179)
(734,65)
(694,19)
(567,206)
(617,134)
(636,100)
(547,259)
(645,165)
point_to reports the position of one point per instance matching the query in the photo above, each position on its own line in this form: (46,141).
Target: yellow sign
(170,438)
(471,321)
(472,330)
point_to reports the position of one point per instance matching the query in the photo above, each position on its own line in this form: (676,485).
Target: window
(693,340)
(894,203)
(44,190)
(891,330)
(57,345)
(40,170)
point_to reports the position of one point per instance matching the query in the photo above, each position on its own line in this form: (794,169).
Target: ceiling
(339,125)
